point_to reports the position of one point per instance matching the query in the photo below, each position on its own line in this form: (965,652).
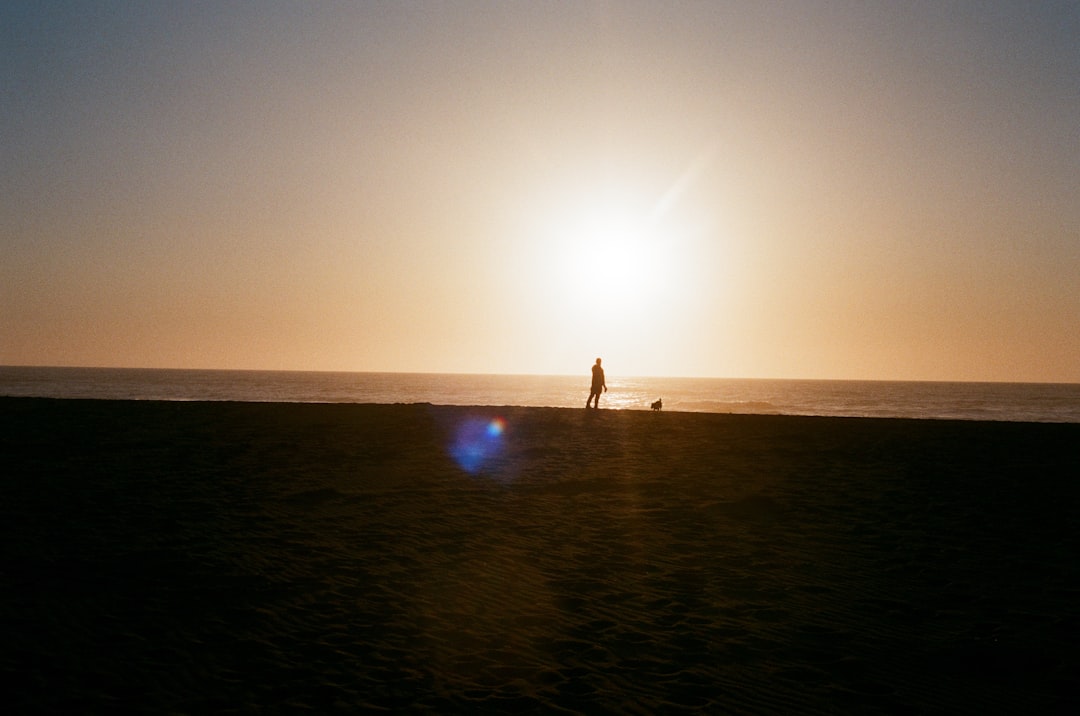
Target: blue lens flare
(477,441)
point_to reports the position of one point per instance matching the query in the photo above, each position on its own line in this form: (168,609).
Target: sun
(607,268)
(609,256)
(605,264)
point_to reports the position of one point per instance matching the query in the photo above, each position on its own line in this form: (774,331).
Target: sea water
(1029,402)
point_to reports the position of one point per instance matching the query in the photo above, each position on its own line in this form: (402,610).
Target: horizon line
(539,375)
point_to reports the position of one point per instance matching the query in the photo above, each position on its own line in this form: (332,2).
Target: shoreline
(969,401)
(218,556)
(507,408)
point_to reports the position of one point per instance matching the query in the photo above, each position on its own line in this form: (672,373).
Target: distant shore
(218,557)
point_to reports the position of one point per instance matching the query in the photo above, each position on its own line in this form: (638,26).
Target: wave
(756,407)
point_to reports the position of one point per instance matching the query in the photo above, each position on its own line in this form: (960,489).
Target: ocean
(1020,402)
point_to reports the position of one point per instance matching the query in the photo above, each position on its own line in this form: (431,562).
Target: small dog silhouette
(658,405)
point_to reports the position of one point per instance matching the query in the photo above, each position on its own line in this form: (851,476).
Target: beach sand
(273,558)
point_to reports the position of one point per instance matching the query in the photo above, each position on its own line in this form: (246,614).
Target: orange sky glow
(776,190)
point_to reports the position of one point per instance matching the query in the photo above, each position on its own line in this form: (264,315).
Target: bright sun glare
(608,265)
(610,262)
(613,265)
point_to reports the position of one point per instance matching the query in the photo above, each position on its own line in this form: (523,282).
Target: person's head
(597,361)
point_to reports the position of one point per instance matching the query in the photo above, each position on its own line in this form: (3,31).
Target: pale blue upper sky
(777,189)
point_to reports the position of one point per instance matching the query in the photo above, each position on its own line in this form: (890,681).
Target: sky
(810,189)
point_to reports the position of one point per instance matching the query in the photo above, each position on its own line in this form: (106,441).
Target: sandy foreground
(273,558)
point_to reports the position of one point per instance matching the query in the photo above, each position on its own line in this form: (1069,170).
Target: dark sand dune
(195,558)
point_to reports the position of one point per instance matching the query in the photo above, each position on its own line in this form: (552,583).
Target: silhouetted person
(598,384)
